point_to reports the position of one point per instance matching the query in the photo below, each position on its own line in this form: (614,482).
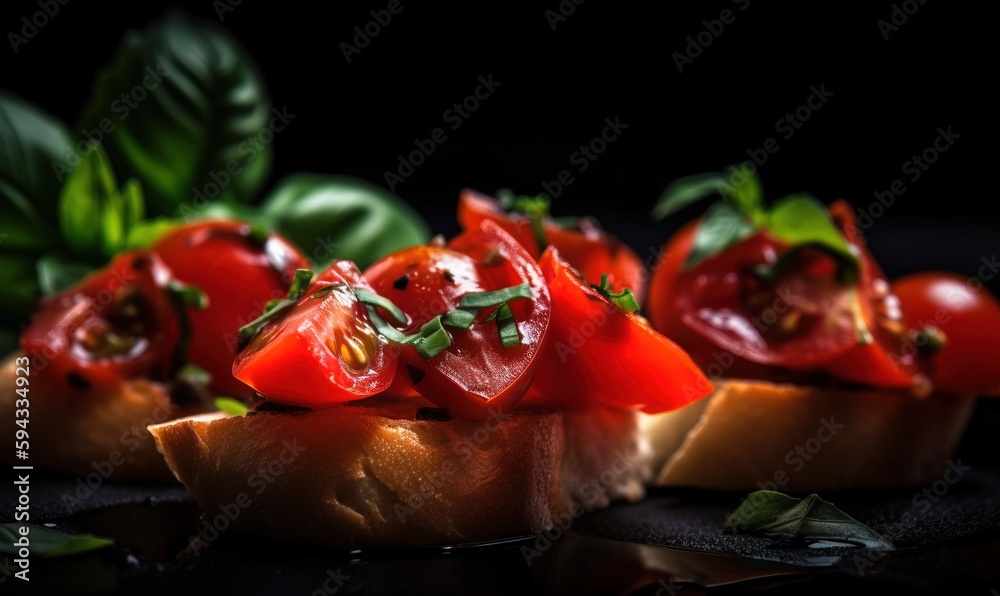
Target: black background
(604,60)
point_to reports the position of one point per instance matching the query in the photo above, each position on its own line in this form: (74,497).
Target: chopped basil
(625,300)
(230,406)
(494,298)
(373,299)
(811,519)
(298,287)
(506,325)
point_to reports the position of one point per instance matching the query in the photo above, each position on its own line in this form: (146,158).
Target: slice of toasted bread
(83,432)
(355,476)
(752,435)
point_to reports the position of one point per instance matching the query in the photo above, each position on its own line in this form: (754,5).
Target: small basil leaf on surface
(197,105)
(48,543)
(812,519)
(722,226)
(341,217)
(687,191)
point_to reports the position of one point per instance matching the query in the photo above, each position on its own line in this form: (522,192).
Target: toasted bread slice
(356,476)
(752,435)
(83,432)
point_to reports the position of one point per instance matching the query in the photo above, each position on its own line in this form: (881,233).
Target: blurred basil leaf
(803,219)
(341,217)
(56,273)
(31,142)
(94,215)
(184,104)
(722,226)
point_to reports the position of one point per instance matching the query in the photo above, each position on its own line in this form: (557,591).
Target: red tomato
(805,319)
(970,319)
(239,274)
(116,324)
(598,353)
(323,351)
(477,376)
(586,247)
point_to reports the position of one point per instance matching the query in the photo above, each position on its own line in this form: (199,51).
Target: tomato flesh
(599,354)
(587,247)
(324,351)
(968,315)
(116,324)
(239,274)
(801,324)
(477,376)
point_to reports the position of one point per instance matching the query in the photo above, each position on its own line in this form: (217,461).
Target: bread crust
(753,434)
(79,432)
(354,476)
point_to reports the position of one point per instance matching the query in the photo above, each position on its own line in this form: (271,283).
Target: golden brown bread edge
(82,433)
(752,435)
(356,476)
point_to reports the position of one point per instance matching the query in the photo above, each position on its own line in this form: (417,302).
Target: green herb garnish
(230,406)
(812,519)
(273,309)
(48,543)
(625,300)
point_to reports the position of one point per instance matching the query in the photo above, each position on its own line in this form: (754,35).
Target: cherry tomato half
(116,324)
(597,353)
(477,376)
(587,247)
(804,319)
(239,273)
(968,315)
(322,352)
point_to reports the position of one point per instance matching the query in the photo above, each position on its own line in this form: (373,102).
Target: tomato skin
(476,377)
(239,274)
(590,250)
(970,318)
(599,354)
(128,296)
(324,351)
(689,307)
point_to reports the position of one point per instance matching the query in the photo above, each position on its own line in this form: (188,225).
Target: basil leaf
(18,288)
(625,300)
(812,519)
(506,325)
(803,219)
(494,297)
(373,299)
(340,217)
(186,107)
(743,188)
(56,273)
(94,215)
(687,191)
(722,226)
(145,233)
(431,340)
(31,143)
(48,543)
(230,406)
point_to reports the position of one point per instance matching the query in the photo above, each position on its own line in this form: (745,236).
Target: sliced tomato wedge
(116,324)
(598,353)
(323,351)
(476,376)
(587,247)
(239,272)
(805,318)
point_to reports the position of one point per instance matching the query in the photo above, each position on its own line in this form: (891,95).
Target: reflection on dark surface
(954,547)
